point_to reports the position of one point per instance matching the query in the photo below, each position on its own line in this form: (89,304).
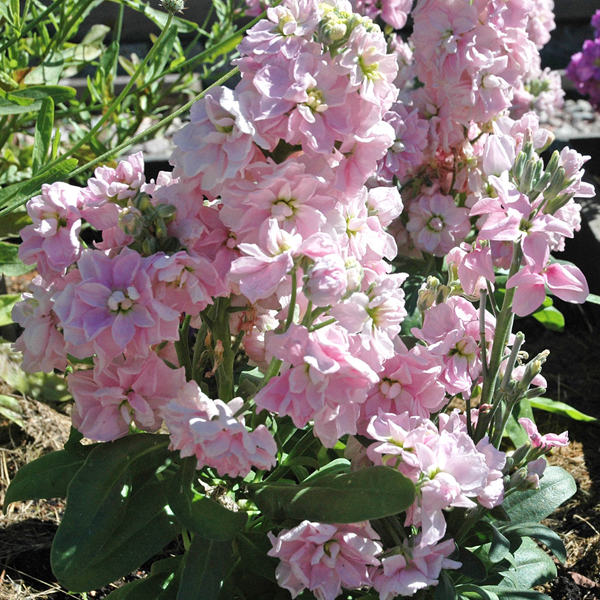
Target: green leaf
(593,298)
(11,224)
(46,477)
(500,546)
(560,408)
(10,263)
(370,493)
(445,590)
(160,18)
(474,592)
(147,527)
(472,566)
(162,574)
(10,409)
(533,566)
(48,73)
(200,514)
(253,547)
(551,318)
(539,532)
(43,134)
(339,465)
(504,593)
(205,567)
(17,194)
(556,486)
(90,548)
(514,430)
(7,301)
(58,93)
(45,387)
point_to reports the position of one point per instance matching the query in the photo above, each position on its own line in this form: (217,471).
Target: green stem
(220,331)
(182,347)
(292,306)
(199,347)
(503,329)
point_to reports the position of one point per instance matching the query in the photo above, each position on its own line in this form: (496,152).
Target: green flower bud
(173,6)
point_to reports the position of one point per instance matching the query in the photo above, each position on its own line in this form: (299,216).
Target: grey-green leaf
(556,486)
(539,532)
(43,134)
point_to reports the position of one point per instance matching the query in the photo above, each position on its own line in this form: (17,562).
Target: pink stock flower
(324,558)
(436,224)
(111,187)
(218,142)
(185,283)
(544,442)
(259,273)
(326,280)
(52,240)
(567,282)
(42,343)
(412,567)
(473,266)
(409,382)
(209,430)
(410,142)
(323,377)
(113,309)
(109,399)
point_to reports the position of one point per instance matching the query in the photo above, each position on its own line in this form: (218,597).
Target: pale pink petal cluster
(209,430)
(324,558)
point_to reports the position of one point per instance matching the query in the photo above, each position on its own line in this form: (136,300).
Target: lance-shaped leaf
(371,493)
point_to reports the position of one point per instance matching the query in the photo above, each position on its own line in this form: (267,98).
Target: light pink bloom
(436,224)
(185,283)
(110,187)
(259,273)
(410,142)
(112,309)
(42,343)
(208,429)
(218,142)
(414,566)
(110,398)
(326,280)
(323,375)
(473,266)
(544,442)
(324,558)
(567,282)
(52,240)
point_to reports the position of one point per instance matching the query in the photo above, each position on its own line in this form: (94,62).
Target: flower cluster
(584,69)
(276,241)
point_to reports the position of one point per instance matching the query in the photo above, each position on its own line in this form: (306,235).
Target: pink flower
(42,343)
(185,283)
(53,239)
(326,280)
(259,274)
(436,224)
(324,375)
(218,142)
(544,442)
(566,282)
(324,558)
(110,398)
(413,566)
(474,266)
(112,309)
(111,187)
(208,429)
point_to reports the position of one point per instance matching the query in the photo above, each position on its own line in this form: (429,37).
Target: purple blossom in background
(584,68)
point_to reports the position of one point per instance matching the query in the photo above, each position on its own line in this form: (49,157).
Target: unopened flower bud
(149,246)
(142,202)
(131,221)
(173,6)
(166,211)
(354,273)
(518,478)
(160,228)
(557,184)
(518,456)
(443,292)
